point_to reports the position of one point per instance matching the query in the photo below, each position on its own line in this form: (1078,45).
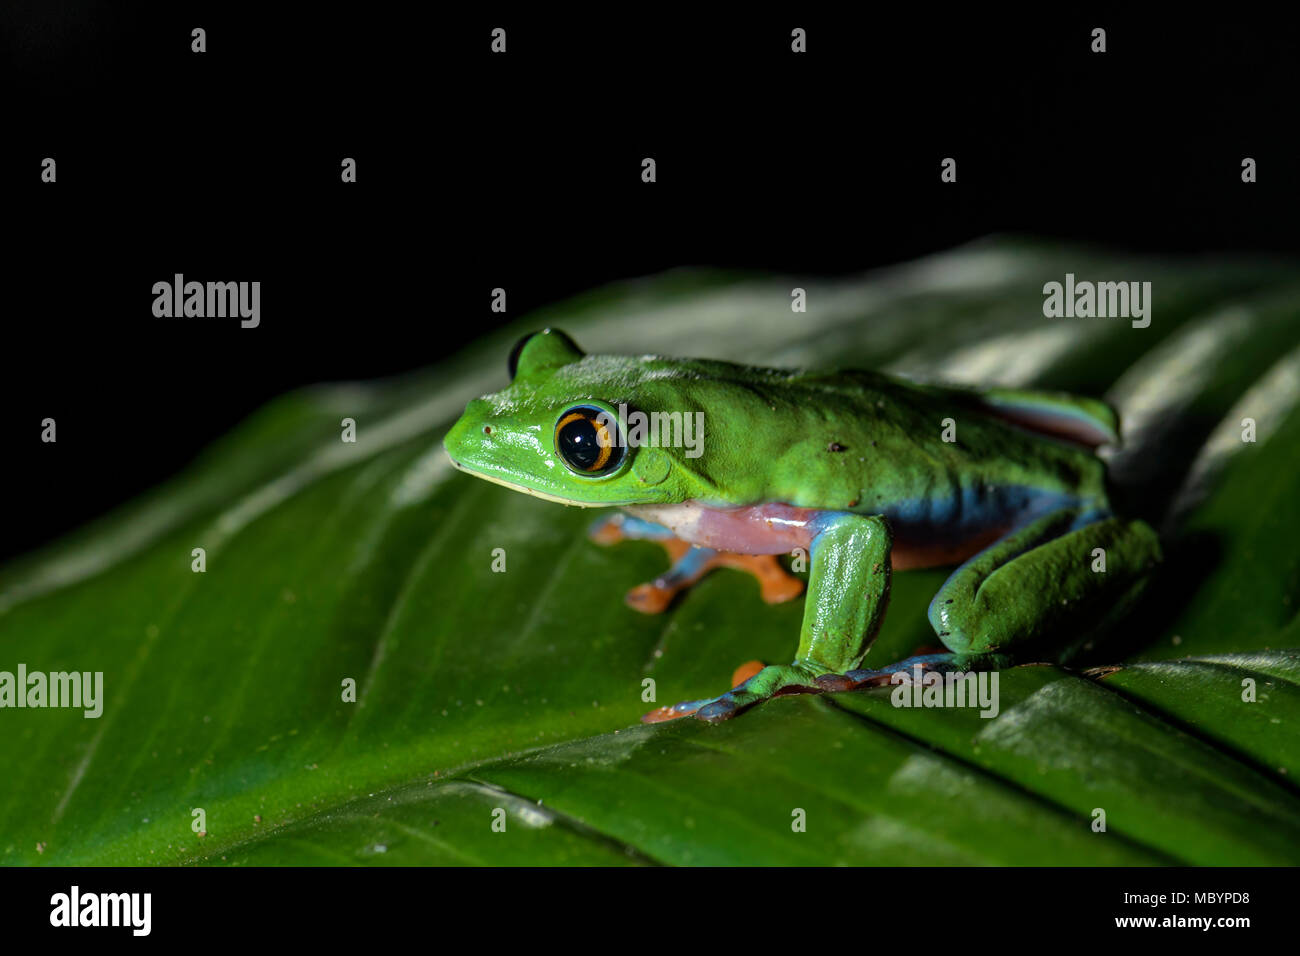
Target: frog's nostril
(487,429)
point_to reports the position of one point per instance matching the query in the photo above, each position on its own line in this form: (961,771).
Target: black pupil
(580,444)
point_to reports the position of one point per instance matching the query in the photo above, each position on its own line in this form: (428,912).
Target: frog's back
(864,441)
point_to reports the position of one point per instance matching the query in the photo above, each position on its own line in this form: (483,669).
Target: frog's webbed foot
(775,680)
(690,563)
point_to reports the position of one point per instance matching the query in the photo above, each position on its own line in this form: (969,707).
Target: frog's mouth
(497,480)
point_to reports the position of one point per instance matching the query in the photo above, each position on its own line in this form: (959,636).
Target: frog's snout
(458,442)
(475,437)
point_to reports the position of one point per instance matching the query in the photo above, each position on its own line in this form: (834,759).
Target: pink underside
(779,529)
(756,529)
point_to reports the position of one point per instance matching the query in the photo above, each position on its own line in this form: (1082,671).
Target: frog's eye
(587,441)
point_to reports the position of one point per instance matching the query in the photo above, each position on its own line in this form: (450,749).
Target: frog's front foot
(775,680)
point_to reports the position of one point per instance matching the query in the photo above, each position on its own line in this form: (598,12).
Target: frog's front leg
(848,590)
(690,563)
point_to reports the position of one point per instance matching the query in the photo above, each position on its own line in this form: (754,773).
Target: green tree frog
(863,473)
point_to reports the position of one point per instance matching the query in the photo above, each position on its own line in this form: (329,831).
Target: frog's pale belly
(756,529)
(779,529)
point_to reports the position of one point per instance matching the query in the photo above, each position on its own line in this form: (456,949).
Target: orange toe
(649,598)
(775,584)
(662,714)
(745,671)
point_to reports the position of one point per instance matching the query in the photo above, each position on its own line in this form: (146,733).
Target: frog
(859,473)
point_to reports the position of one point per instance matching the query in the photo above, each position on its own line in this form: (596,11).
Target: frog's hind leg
(690,563)
(1059,578)
(1042,581)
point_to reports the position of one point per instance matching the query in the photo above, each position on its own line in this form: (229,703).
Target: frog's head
(556,431)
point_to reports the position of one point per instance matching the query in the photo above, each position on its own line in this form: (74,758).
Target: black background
(345,908)
(523,171)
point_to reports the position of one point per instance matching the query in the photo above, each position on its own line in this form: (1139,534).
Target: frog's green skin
(860,462)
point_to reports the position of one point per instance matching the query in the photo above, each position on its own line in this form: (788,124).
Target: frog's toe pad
(650,598)
(674,712)
(711,710)
(718,711)
(691,708)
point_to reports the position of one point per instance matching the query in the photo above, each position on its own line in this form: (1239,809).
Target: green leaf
(484,697)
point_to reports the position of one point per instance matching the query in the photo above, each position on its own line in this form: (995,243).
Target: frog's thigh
(848,589)
(1044,580)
